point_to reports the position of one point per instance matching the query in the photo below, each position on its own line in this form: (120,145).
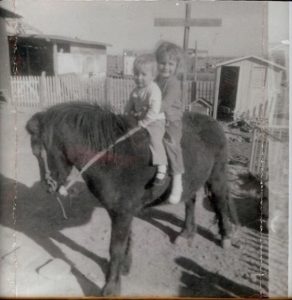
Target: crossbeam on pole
(173,22)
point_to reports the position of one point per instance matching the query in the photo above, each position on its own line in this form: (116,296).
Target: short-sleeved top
(145,103)
(171,97)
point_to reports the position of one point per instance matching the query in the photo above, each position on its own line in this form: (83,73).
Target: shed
(243,88)
(37,53)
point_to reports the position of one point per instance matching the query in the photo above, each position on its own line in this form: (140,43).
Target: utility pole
(187,23)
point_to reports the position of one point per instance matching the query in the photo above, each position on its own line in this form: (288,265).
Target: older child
(145,106)
(169,57)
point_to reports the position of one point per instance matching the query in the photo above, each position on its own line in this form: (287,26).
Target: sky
(130,24)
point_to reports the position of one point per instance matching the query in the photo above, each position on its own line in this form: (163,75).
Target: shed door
(227,93)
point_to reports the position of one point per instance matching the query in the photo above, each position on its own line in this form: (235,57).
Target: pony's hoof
(226,243)
(188,234)
(180,242)
(125,268)
(184,239)
(111,289)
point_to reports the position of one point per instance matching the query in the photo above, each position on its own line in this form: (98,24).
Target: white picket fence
(45,91)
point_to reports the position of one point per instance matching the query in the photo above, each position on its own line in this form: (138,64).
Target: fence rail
(44,91)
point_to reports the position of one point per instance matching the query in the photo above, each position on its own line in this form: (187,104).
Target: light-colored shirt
(145,104)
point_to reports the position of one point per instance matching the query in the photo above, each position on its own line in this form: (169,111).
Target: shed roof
(57,38)
(203,101)
(5,13)
(254,58)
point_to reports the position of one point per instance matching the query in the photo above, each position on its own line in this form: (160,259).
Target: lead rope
(63,190)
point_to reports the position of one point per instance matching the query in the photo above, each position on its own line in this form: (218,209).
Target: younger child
(145,106)
(169,57)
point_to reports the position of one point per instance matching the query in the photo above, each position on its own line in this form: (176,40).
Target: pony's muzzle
(52,184)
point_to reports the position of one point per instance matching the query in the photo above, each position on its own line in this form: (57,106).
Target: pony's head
(53,165)
(71,134)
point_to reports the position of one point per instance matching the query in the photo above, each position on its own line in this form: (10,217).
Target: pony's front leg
(127,261)
(121,228)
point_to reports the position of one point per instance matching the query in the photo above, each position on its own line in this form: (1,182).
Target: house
(55,55)
(247,87)
(5,88)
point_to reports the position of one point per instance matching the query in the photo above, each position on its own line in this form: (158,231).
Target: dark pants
(172,142)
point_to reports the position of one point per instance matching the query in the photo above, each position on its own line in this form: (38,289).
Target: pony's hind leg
(121,227)
(218,193)
(189,230)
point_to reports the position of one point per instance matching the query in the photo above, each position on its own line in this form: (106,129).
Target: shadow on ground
(196,281)
(153,216)
(38,215)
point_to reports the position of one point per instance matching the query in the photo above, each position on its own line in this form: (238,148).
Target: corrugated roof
(251,57)
(5,13)
(57,38)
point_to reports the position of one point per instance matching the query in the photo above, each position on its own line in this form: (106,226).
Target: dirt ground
(43,254)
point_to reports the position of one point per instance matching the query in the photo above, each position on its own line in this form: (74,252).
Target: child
(169,57)
(145,106)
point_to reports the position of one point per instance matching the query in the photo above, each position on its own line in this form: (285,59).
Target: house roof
(57,38)
(254,58)
(4,13)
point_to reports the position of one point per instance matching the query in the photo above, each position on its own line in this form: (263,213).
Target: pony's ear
(34,124)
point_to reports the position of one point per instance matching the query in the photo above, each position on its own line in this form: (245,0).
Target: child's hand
(141,124)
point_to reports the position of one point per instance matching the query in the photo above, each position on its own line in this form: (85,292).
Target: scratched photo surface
(80,211)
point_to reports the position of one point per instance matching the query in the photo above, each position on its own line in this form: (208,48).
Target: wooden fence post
(105,90)
(42,90)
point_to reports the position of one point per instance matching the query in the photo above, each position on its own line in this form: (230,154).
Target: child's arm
(129,108)
(154,111)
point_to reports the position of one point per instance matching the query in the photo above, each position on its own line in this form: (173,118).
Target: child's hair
(145,59)
(172,51)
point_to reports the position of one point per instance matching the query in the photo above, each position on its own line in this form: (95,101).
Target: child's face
(166,66)
(143,75)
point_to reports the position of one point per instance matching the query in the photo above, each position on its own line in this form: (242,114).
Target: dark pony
(71,134)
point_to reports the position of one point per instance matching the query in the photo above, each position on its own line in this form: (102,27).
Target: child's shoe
(176,189)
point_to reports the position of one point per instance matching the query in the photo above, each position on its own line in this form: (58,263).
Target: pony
(71,134)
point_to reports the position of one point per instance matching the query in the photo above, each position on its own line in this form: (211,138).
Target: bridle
(51,182)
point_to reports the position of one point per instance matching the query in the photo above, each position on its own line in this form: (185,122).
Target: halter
(53,185)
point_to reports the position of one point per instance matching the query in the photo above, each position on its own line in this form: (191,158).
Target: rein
(63,189)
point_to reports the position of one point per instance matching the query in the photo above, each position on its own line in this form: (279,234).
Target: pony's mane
(97,126)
